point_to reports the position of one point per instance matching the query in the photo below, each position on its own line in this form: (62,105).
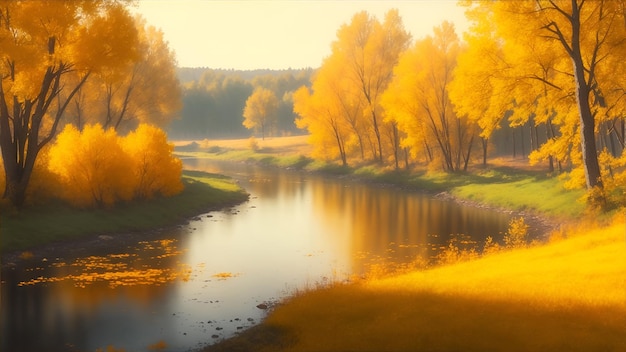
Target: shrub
(516,234)
(92,166)
(97,168)
(154,170)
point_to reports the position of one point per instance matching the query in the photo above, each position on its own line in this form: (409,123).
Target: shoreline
(201,197)
(94,242)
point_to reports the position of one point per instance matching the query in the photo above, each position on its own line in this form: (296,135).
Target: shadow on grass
(357,319)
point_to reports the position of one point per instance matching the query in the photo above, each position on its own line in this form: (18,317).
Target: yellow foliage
(44,184)
(92,166)
(515,236)
(260,110)
(98,168)
(154,170)
(417,100)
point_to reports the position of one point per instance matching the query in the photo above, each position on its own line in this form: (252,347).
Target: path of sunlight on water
(201,282)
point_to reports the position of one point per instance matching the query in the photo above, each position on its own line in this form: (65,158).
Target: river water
(186,287)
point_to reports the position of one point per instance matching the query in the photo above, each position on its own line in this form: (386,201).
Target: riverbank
(508,185)
(566,294)
(41,230)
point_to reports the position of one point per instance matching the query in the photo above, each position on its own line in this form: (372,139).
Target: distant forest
(213,101)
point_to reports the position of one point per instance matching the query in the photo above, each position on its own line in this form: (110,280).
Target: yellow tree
(146,90)
(327,133)
(368,50)
(477,90)
(43,42)
(418,101)
(337,108)
(260,110)
(560,54)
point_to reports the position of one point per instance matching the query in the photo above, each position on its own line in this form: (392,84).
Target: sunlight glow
(275,34)
(121,269)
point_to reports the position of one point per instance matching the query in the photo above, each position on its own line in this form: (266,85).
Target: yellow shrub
(516,234)
(92,166)
(155,171)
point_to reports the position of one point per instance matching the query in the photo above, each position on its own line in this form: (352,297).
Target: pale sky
(276,34)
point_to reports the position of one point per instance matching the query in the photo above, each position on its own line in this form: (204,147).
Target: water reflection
(190,286)
(391,225)
(119,269)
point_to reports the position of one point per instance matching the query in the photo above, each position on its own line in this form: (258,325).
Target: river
(204,281)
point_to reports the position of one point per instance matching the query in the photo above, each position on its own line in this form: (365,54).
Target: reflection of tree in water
(151,263)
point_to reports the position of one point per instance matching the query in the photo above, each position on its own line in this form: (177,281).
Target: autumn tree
(563,57)
(417,99)
(145,90)
(347,89)
(369,50)
(478,91)
(43,44)
(260,110)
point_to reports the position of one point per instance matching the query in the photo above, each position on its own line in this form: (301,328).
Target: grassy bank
(39,225)
(499,185)
(567,295)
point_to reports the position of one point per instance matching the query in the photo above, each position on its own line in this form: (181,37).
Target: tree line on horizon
(213,102)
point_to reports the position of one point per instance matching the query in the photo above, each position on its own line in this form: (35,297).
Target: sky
(276,34)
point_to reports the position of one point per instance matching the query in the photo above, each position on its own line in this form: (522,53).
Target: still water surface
(201,282)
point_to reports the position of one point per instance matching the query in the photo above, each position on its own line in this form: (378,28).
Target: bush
(97,168)
(155,171)
(92,166)
(516,234)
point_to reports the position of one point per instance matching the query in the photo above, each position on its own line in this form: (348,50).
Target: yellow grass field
(568,295)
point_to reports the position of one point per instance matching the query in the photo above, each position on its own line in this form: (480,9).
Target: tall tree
(260,110)
(353,78)
(418,100)
(369,50)
(146,90)
(333,112)
(43,42)
(562,54)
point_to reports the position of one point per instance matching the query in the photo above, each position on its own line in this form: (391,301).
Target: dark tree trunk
(587,121)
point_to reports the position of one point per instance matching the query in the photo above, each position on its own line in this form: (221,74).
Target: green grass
(501,187)
(44,224)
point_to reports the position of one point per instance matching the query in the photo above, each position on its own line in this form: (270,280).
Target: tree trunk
(587,121)
(485,143)
(378,139)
